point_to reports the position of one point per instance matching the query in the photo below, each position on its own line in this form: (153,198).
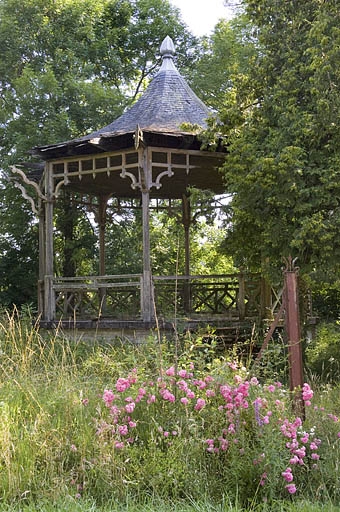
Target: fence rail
(235,296)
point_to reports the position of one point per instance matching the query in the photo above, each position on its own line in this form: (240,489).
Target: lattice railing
(99,296)
(229,295)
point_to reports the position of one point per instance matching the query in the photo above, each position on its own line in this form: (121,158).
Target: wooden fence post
(293,331)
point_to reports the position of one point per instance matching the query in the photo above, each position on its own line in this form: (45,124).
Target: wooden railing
(233,296)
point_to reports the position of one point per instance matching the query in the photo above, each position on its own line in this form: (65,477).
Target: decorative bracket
(158,183)
(126,174)
(34,208)
(23,190)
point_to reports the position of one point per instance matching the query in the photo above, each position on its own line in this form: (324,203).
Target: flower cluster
(223,411)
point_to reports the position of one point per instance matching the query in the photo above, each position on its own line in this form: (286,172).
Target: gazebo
(151,152)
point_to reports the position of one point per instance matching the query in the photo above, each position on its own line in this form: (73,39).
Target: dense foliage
(67,68)
(281,120)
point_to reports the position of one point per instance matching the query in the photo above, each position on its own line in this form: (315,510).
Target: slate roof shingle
(167,103)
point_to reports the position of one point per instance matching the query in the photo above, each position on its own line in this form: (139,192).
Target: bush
(323,353)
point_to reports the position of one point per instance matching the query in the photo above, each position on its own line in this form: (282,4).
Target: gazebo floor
(226,330)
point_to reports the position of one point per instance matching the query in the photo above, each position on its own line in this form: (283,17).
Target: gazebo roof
(167,104)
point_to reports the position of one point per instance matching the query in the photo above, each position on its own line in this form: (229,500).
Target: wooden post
(266,300)
(102,249)
(186,219)
(293,332)
(49,298)
(41,259)
(241,304)
(147,294)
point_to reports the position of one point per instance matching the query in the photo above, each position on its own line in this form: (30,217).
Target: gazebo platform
(109,307)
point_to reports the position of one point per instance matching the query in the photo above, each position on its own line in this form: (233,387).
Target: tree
(66,69)
(225,56)
(281,125)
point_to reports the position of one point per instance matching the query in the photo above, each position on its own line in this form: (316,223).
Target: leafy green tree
(225,59)
(67,68)
(281,121)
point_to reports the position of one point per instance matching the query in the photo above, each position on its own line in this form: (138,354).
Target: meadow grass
(92,426)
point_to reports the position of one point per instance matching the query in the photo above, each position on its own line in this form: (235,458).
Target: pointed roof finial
(167,47)
(167,52)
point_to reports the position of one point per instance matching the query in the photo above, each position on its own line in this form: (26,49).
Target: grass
(58,440)
(73,506)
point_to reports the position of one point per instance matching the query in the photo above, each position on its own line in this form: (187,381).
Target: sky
(202,15)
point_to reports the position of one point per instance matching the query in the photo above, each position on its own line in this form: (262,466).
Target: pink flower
(151,399)
(315,456)
(85,401)
(232,365)
(199,404)
(305,438)
(183,386)
(287,475)
(141,392)
(108,397)
(168,396)
(307,393)
(210,393)
(166,434)
(291,488)
(123,430)
(313,446)
(132,424)
(183,374)
(254,381)
(130,407)
(263,479)
(190,394)
(300,452)
(184,401)
(170,372)
(271,388)
(122,384)
(73,448)
(119,445)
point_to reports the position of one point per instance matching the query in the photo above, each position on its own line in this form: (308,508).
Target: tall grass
(61,443)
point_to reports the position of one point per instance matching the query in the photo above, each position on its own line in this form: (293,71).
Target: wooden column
(147,306)
(186,219)
(42,265)
(266,300)
(293,331)
(49,298)
(102,249)
(241,297)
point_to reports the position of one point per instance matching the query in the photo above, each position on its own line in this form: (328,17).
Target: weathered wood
(293,331)
(49,298)
(186,219)
(147,296)
(241,305)
(266,299)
